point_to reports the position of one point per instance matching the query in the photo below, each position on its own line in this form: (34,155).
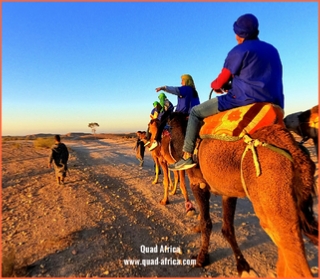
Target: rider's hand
(219,91)
(159,88)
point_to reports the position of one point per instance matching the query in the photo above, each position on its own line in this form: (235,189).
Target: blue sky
(65,65)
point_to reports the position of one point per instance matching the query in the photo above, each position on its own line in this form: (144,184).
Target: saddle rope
(168,134)
(251,145)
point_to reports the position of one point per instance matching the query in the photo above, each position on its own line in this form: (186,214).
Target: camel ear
(314,109)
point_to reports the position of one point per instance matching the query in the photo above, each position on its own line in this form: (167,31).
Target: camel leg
(229,208)
(188,204)
(281,264)
(202,197)
(183,185)
(315,141)
(278,216)
(165,170)
(292,260)
(156,179)
(173,189)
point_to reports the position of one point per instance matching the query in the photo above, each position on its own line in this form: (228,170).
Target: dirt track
(107,212)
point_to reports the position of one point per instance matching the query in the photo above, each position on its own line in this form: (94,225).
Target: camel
(163,155)
(305,124)
(279,183)
(157,169)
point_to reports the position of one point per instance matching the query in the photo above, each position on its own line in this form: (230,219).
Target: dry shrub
(43,142)
(16,145)
(11,138)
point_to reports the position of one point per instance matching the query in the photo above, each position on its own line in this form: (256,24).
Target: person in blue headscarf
(252,72)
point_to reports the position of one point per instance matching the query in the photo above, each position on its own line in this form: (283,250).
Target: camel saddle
(237,122)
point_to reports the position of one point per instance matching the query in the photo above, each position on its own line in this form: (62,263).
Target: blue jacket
(257,75)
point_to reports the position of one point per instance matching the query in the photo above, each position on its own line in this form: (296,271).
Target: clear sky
(65,65)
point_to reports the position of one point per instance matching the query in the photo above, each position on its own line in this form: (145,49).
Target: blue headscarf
(246,26)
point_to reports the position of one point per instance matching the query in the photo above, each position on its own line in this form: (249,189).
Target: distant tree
(93,126)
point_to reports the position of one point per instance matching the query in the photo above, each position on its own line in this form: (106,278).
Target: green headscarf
(156,103)
(188,80)
(162,97)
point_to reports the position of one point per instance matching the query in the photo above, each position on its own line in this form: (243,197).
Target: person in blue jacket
(156,111)
(187,96)
(254,69)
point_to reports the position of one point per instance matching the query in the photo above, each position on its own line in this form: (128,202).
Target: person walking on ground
(255,70)
(187,97)
(59,157)
(139,147)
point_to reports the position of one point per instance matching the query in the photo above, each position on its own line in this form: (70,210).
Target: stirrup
(147,143)
(153,146)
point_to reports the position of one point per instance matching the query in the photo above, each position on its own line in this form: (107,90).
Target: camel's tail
(304,173)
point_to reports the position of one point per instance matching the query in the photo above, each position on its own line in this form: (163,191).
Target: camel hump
(243,120)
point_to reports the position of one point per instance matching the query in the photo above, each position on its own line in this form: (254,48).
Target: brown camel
(279,186)
(305,124)
(155,154)
(164,155)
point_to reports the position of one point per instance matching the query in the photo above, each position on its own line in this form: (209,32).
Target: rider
(255,70)
(187,97)
(195,100)
(154,114)
(167,109)
(165,103)
(156,111)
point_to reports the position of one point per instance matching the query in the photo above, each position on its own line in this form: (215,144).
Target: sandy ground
(107,212)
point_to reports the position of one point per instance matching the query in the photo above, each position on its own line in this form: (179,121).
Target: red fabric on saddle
(242,120)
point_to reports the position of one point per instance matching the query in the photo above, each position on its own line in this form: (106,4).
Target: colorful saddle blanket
(242,120)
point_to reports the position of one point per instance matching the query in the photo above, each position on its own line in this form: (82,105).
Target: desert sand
(108,212)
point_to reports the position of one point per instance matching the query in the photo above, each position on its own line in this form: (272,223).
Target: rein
(168,134)
(222,91)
